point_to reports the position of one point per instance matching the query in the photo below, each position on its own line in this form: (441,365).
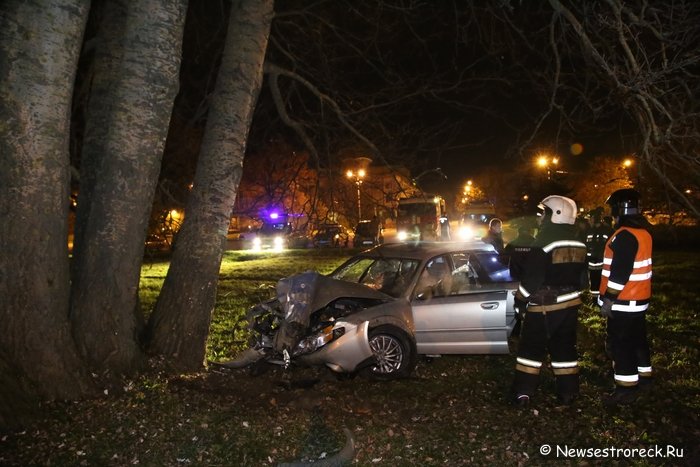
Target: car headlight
(315,342)
(278,243)
(402,235)
(257,243)
(466,233)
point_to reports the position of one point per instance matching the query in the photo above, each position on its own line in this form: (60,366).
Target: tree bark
(39,48)
(179,325)
(134,86)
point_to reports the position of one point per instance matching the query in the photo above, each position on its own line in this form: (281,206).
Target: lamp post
(467,191)
(547,163)
(357,176)
(627,166)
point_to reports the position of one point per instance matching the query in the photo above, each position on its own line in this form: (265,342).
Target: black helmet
(623,202)
(596,214)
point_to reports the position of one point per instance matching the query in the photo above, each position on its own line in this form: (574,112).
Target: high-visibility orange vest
(635,294)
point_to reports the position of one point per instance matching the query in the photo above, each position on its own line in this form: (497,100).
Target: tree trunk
(179,325)
(135,81)
(39,47)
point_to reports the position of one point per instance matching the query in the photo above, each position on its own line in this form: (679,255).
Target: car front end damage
(305,324)
(344,354)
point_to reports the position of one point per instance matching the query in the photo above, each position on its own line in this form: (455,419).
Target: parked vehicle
(368,233)
(385,306)
(475,219)
(331,235)
(418,218)
(273,234)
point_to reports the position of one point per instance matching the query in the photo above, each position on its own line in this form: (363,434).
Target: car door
(468,316)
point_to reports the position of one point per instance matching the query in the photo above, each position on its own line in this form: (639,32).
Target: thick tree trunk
(39,47)
(179,325)
(135,81)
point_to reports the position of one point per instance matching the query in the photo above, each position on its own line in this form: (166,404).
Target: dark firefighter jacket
(555,272)
(596,238)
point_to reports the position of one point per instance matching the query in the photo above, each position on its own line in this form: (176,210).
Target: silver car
(383,307)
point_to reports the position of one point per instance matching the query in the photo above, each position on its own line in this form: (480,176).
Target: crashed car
(385,306)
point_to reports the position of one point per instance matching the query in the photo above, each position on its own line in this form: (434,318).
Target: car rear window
(364,229)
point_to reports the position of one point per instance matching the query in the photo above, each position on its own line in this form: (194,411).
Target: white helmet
(563,209)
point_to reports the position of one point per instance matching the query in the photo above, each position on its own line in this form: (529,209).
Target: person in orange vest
(625,292)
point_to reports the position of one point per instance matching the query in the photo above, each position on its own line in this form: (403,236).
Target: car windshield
(388,275)
(273,228)
(477,218)
(328,231)
(417,209)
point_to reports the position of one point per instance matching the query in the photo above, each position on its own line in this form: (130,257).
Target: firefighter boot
(622,395)
(524,385)
(567,388)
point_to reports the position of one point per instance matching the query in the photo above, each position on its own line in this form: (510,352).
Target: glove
(520,308)
(606,308)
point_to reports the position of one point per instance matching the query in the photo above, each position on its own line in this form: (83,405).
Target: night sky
(431,84)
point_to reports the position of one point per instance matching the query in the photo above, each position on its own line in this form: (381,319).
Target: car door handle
(489,305)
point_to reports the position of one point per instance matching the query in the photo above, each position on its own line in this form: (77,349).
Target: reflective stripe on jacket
(633,292)
(566,260)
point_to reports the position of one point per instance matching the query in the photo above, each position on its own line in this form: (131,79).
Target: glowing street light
(546,162)
(357,176)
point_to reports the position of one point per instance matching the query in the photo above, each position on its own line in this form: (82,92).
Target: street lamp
(467,192)
(627,166)
(357,177)
(547,163)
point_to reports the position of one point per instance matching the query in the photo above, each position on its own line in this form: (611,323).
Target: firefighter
(515,252)
(625,291)
(596,238)
(445,234)
(549,295)
(517,249)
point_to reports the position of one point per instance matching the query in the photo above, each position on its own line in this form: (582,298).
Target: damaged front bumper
(346,353)
(343,347)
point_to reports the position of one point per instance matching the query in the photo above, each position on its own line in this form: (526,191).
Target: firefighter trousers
(552,332)
(594,276)
(629,347)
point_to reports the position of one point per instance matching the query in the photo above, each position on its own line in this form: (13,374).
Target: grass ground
(451,412)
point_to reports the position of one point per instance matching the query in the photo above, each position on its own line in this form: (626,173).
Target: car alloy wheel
(388,352)
(394,352)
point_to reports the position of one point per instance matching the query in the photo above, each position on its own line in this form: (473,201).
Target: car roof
(425,250)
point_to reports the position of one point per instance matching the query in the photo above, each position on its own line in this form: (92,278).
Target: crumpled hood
(304,293)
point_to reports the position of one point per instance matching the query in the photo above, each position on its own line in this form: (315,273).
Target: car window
(277,227)
(388,275)
(436,278)
(475,269)
(364,229)
(493,267)
(465,277)
(352,272)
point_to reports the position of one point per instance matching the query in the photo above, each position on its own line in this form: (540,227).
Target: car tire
(395,352)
